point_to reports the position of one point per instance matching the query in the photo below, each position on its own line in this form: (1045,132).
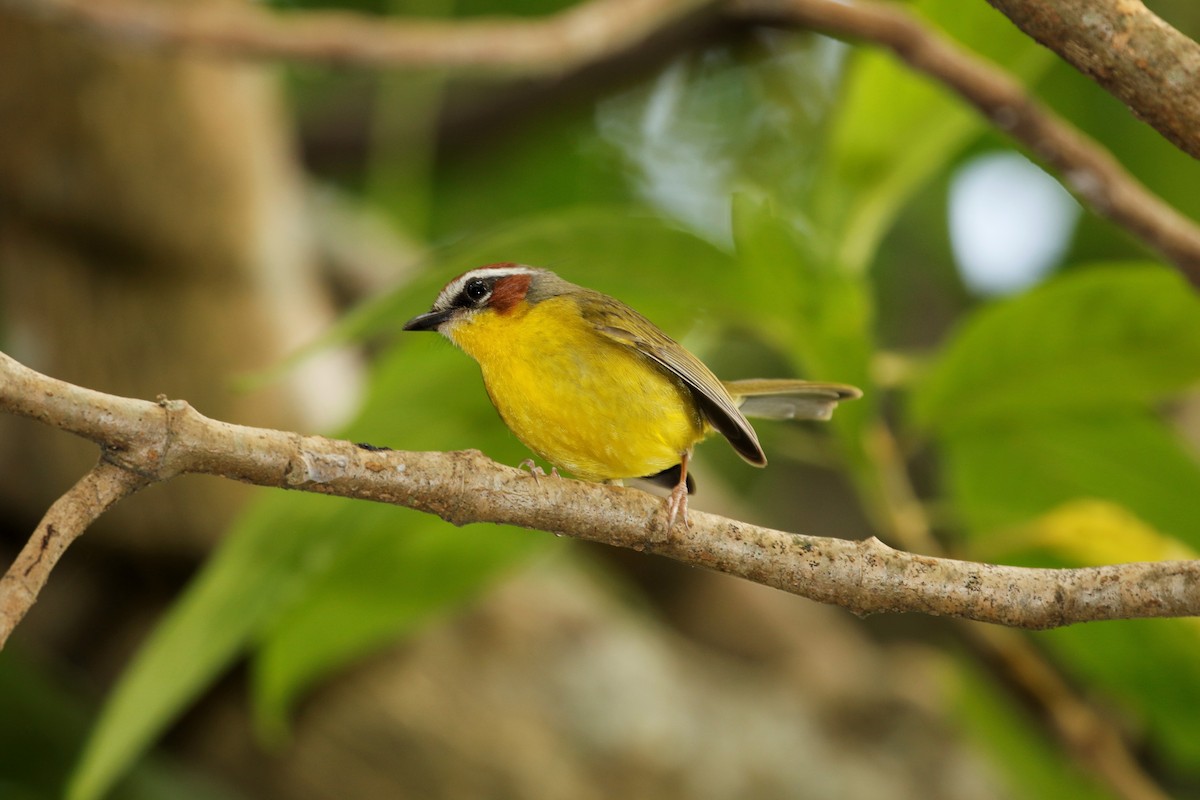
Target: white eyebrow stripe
(455,287)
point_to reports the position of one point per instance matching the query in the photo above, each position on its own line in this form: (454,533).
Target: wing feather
(627,327)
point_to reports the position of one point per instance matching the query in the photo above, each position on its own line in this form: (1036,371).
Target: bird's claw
(537,472)
(677,505)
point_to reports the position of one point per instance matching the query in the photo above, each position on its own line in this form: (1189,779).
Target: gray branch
(144,442)
(1126,48)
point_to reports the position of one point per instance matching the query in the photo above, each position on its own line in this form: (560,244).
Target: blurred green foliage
(45,720)
(1050,397)
(1014,739)
(790,187)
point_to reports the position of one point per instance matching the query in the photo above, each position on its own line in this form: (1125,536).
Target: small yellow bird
(595,388)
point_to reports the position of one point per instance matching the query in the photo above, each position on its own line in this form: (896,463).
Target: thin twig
(67,519)
(1130,51)
(1087,168)
(157,441)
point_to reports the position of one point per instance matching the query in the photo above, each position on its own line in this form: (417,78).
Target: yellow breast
(581,401)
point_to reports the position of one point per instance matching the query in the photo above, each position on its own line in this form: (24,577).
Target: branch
(1122,45)
(67,519)
(157,441)
(578,35)
(1087,168)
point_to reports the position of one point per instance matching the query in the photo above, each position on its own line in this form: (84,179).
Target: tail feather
(789,399)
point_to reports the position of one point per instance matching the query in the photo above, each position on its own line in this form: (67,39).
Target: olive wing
(625,326)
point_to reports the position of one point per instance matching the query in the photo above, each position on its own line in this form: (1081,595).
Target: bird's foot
(537,472)
(677,505)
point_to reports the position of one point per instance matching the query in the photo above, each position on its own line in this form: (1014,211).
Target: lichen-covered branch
(1129,50)
(157,441)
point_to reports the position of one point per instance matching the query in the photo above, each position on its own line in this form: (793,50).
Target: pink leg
(677,502)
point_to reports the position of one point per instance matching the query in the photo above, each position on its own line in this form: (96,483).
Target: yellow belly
(584,403)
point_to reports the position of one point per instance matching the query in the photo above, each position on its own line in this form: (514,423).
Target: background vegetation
(783,204)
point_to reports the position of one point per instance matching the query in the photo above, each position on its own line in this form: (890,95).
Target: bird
(595,388)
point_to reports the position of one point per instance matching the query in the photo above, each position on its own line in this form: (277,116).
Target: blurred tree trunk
(152,241)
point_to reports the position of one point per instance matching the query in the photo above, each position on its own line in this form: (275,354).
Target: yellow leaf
(1095,532)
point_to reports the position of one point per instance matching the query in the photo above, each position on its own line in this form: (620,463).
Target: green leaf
(1147,669)
(1043,409)
(821,313)
(716,119)
(526,167)
(666,273)
(780,266)
(1105,337)
(1144,667)
(615,249)
(237,591)
(1004,476)
(895,129)
(822,317)
(392,576)
(611,248)
(987,33)
(43,720)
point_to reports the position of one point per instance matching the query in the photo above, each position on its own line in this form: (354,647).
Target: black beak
(429,321)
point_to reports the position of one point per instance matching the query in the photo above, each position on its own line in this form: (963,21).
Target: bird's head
(493,289)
